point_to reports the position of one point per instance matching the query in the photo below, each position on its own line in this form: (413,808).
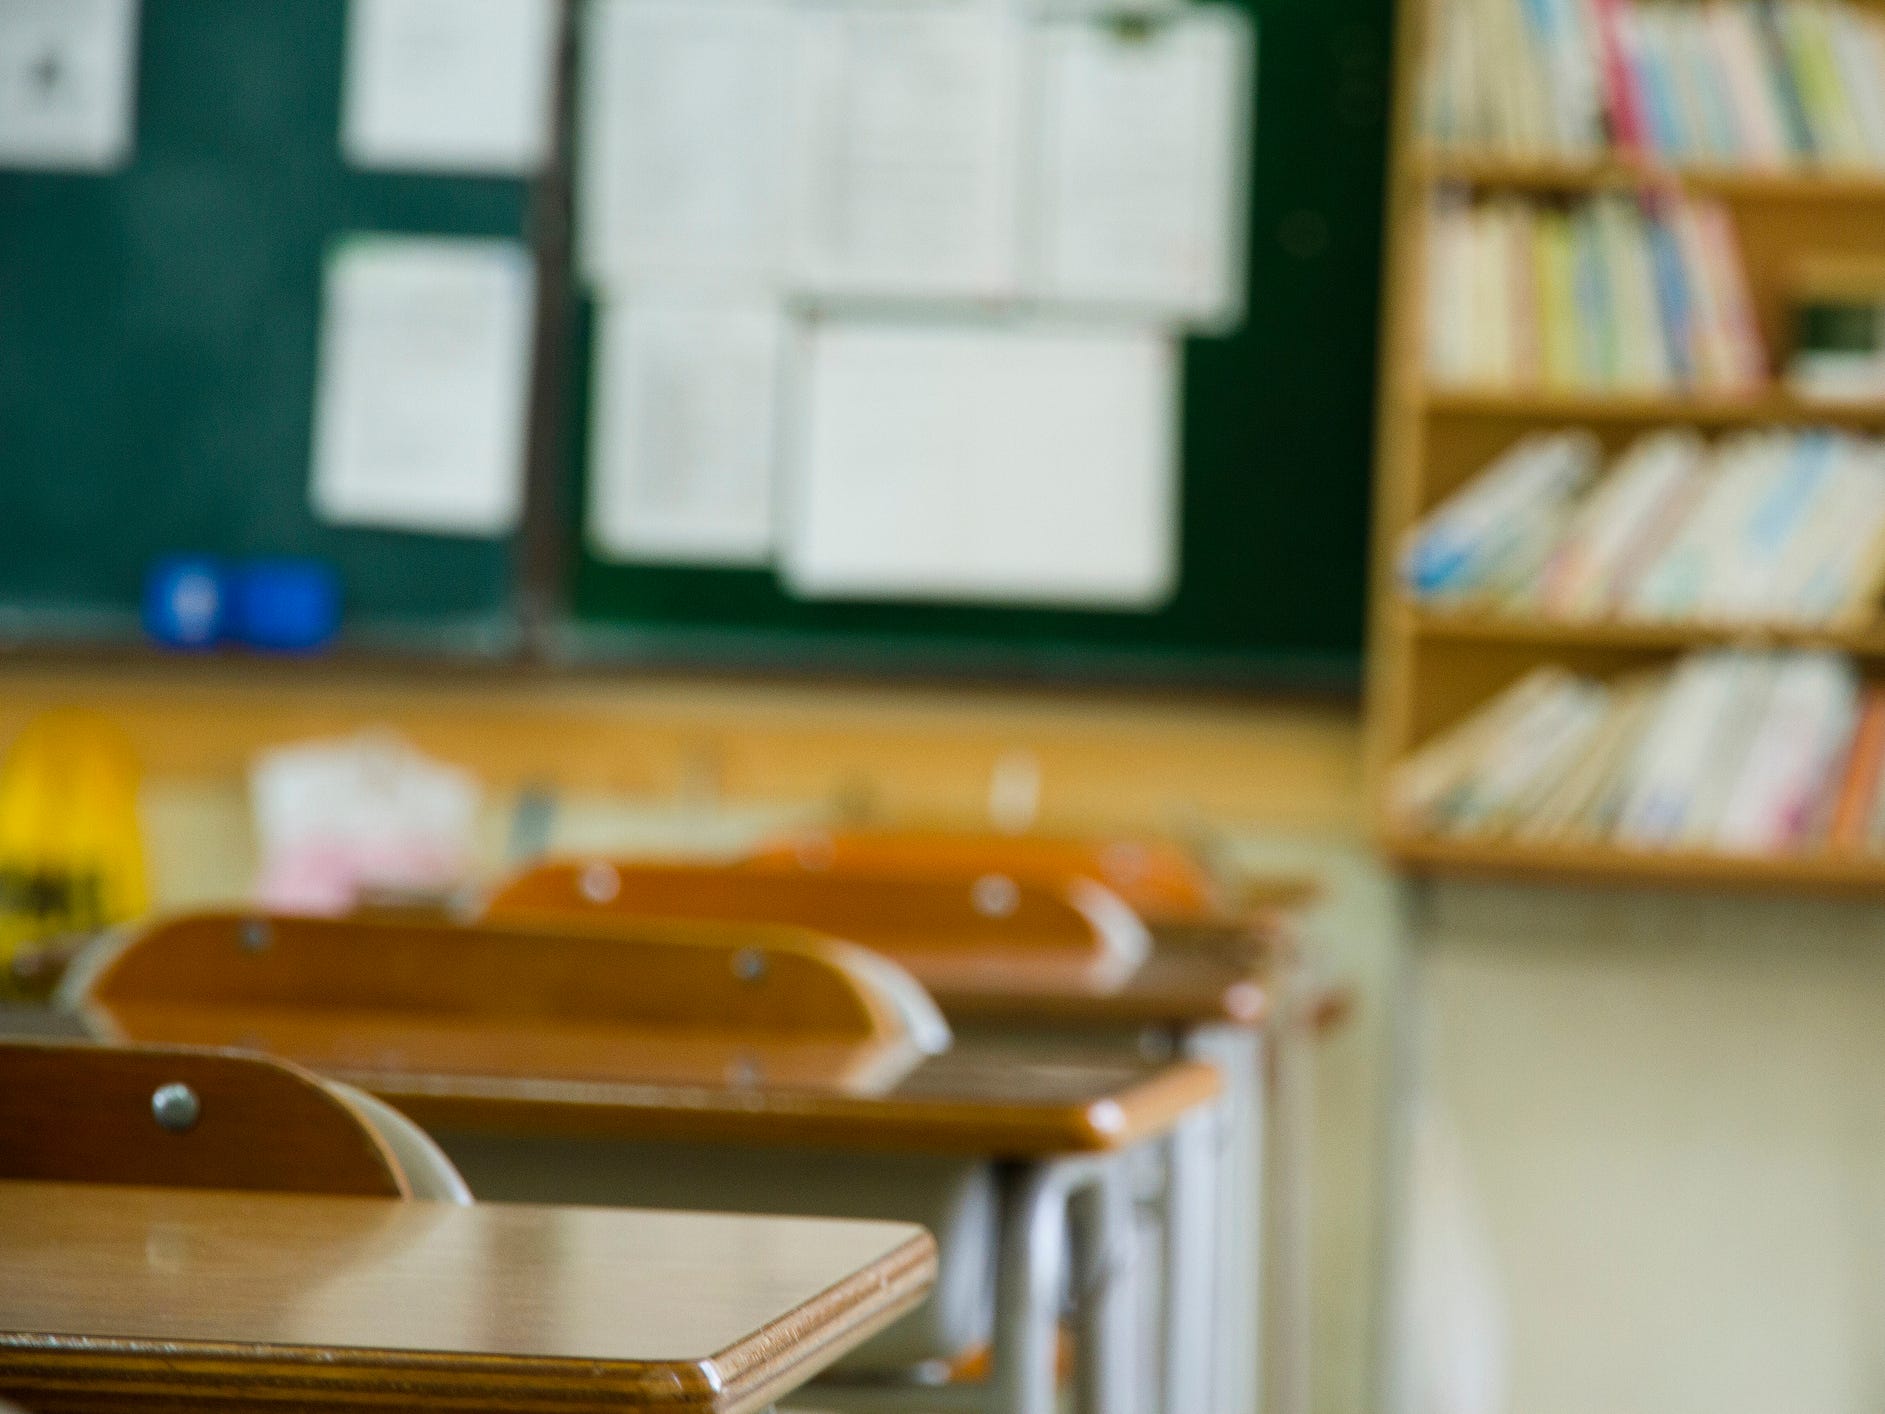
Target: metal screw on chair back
(176,1108)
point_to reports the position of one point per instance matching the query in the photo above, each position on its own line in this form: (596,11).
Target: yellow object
(71,854)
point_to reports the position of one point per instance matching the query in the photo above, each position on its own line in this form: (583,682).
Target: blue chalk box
(186,601)
(284,605)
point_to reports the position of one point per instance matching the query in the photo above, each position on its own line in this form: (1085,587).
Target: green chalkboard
(1278,429)
(158,338)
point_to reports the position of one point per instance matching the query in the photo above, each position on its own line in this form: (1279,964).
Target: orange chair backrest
(181,1118)
(360,997)
(945,931)
(1156,878)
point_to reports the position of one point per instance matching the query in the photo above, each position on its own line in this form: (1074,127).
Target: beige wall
(1672,1110)
(1103,760)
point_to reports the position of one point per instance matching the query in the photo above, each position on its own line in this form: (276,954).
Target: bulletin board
(158,337)
(1277,437)
(158,343)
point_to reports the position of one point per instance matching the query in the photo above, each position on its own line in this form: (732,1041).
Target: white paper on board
(68,82)
(685,436)
(1104,10)
(908,149)
(683,139)
(450,85)
(1020,464)
(421,409)
(337,819)
(1142,164)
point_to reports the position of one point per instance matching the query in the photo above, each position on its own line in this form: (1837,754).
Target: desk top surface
(117,1297)
(979,1099)
(1196,974)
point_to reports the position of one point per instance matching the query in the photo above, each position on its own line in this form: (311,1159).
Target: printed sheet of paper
(422,405)
(1105,11)
(908,151)
(1015,464)
(68,81)
(686,434)
(1143,165)
(683,140)
(450,85)
(335,820)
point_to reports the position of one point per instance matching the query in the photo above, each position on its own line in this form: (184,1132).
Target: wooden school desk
(1222,962)
(1064,1135)
(1197,920)
(121,1299)
(1200,986)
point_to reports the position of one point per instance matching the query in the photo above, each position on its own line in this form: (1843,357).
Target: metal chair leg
(1071,1216)
(1105,1269)
(1238,1354)
(1189,1323)
(1033,1262)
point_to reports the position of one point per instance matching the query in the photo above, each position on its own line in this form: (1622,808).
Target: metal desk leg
(1105,1274)
(1189,1279)
(1237,1352)
(1089,1200)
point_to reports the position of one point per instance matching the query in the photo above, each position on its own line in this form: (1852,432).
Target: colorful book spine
(1853,811)
(1728,751)
(1763,529)
(1674,301)
(1617,65)
(1721,83)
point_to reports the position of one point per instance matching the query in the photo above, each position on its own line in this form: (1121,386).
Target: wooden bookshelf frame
(1429,667)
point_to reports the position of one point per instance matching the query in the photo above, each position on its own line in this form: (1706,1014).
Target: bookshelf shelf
(1545,175)
(1463,627)
(1432,667)
(1610,864)
(1709,410)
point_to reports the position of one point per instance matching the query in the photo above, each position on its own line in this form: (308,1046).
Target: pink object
(1624,97)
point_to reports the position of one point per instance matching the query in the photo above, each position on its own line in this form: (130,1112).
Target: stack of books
(1735,83)
(1768,528)
(1613,293)
(1731,752)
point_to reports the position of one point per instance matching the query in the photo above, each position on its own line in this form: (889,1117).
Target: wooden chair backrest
(361,996)
(945,931)
(1154,877)
(1158,878)
(77,1113)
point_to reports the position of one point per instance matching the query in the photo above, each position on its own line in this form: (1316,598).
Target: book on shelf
(1728,751)
(1858,799)
(1775,529)
(1638,294)
(1761,84)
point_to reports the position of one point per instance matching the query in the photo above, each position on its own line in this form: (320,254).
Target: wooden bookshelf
(1498,171)
(1769,407)
(1610,865)
(1429,667)
(1462,626)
